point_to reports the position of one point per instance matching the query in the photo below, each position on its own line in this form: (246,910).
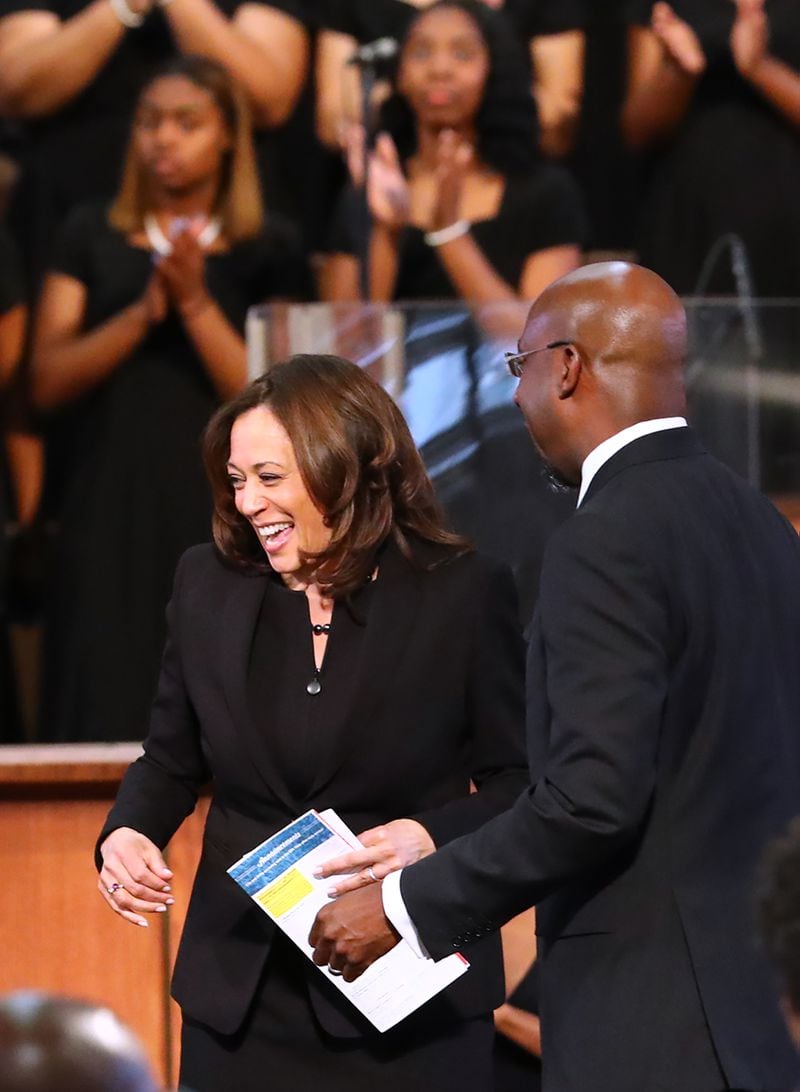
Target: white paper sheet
(279,876)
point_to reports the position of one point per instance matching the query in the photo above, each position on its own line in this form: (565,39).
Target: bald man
(663,728)
(55,1044)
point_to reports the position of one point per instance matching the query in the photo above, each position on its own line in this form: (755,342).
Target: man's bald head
(52,1044)
(622,345)
(619,313)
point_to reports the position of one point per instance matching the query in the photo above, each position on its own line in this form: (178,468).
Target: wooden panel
(60,764)
(60,935)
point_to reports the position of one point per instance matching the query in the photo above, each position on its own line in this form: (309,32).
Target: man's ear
(570,367)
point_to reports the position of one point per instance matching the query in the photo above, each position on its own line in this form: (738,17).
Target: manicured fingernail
(160,909)
(142,922)
(332,892)
(317,872)
(169,902)
(166,887)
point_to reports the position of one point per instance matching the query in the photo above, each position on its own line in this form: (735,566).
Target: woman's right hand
(678,39)
(134,879)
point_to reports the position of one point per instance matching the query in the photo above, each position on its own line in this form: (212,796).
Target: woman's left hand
(183,272)
(386,848)
(453,159)
(749,36)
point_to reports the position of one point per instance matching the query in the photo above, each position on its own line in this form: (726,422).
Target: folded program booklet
(279,876)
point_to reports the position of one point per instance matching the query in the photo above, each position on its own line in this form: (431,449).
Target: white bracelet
(126,15)
(447,234)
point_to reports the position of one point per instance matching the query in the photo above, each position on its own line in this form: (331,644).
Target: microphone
(382,49)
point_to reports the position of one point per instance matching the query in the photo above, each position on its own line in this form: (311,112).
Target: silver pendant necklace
(314,686)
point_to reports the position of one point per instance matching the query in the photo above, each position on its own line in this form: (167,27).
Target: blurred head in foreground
(55,1044)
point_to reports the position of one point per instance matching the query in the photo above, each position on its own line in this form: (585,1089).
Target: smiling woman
(340,648)
(316,443)
(268,491)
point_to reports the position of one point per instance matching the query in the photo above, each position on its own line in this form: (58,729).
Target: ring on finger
(370,871)
(113,888)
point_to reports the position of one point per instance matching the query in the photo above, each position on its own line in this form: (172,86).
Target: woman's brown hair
(356,458)
(239,203)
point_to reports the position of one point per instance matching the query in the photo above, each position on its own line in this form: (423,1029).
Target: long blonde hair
(239,204)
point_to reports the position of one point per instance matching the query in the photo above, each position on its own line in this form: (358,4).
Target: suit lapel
(393,612)
(239,620)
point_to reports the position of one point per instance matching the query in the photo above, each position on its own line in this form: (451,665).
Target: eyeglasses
(515,360)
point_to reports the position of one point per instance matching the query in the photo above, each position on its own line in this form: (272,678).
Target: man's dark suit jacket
(664,738)
(439,700)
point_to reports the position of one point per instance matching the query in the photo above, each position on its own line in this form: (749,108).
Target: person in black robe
(139,335)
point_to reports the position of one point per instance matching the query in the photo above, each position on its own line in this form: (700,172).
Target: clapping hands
(749,36)
(678,39)
(387,186)
(453,160)
(183,271)
(178,278)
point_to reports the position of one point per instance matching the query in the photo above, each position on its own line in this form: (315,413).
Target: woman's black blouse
(303,727)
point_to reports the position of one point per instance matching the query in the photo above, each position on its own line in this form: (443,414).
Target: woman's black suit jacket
(439,701)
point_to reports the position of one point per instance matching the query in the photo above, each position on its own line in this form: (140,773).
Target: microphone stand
(368,76)
(745,300)
(367,58)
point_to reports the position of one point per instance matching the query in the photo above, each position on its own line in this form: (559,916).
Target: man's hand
(352,932)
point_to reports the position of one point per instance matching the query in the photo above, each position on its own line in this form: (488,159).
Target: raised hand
(453,160)
(386,848)
(134,879)
(183,271)
(749,36)
(387,188)
(678,39)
